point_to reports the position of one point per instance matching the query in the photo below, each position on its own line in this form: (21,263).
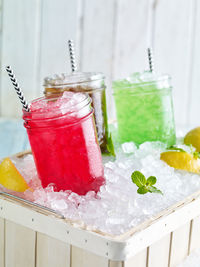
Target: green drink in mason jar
(144,108)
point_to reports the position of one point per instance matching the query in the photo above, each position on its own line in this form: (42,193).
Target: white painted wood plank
(1,242)
(139,260)
(129,49)
(80,257)
(19,246)
(52,252)
(115,264)
(195,234)
(159,253)
(60,22)
(98,36)
(97,41)
(131,35)
(173,44)
(179,245)
(21,22)
(194,83)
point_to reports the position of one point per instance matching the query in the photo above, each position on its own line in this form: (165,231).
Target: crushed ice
(68,102)
(117,207)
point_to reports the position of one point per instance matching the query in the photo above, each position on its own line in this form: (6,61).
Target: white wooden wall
(111,36)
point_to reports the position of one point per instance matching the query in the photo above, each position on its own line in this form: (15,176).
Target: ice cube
(129,147)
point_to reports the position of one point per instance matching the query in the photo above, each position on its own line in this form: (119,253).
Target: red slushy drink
(64,143)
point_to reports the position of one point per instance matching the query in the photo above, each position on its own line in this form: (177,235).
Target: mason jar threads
(85,82)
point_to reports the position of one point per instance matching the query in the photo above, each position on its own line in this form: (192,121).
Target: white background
(111,36)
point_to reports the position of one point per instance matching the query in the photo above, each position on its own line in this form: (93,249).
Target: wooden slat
(179,244)
(115,264)
(20,37)
(173,45)
(195,234)
(1,242)
(129,46)
(159,253)
(52,252)
(19,246)
(60,22)
(97,40)
(130,42)
(80,257)
(98,36)
(195,78)
(139,260)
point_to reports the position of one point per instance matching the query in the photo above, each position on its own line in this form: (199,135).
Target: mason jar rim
(73,78)
(142,83)
(40,115)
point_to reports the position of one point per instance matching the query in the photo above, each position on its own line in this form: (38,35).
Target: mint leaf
(142,190)
(196,155)
(190,146)
(138,178)
(153,189)
(110,146)
(145,185)
(176,148)
(193,152)
(151,180)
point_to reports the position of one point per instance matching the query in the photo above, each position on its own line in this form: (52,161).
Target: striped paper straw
(150,57)
(17,88)
(72,55)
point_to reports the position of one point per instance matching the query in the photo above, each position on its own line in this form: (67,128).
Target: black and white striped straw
(17,88)
(72,55)
(150,57)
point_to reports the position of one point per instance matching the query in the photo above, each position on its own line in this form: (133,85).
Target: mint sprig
(193,152)
(145,185)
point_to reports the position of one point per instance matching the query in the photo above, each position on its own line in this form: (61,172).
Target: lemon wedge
(181,160)
(11,178)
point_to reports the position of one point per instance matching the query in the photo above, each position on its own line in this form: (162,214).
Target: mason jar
(64,143)
(145,109)
(86,82)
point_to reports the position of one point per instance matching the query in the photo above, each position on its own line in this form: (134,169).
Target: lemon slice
(181,161)
(193,137)
(11,178)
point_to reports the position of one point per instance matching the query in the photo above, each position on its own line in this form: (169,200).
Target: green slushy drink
(144,108)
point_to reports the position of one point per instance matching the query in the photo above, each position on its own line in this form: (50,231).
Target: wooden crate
(34,236)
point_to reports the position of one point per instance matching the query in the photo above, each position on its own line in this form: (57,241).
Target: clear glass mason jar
(85,82)
(64,143)
(145,109)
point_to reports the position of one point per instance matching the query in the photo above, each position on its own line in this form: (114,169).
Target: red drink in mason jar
(64,143)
